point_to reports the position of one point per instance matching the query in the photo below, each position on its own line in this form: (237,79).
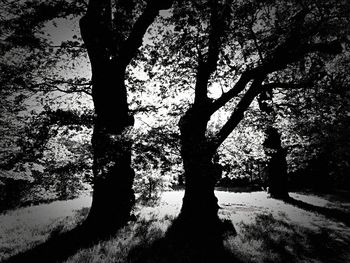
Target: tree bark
(113,196)
(199,203)
(113,176)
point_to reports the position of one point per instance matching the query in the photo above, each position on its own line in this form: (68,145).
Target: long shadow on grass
(186,241)
(60,247)
(275,240)
(327,212)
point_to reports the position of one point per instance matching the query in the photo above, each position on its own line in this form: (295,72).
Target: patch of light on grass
(24,227)
(43,214)
(243,207)
(170,205)
(311,199)
(172,197)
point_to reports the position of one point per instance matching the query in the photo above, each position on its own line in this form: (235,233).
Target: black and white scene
(175,131)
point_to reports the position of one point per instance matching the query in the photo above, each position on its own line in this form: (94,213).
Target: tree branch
(238,87)
(238,113)
(282,85)
(280,60)
(255,39)
(134,41)
(95,29)
(290,51)
(205,69)
(69,117)
(54,85)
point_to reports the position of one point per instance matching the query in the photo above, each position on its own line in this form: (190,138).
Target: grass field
(268,230)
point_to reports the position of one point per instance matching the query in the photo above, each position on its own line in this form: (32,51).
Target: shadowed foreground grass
(267,230)
(269,239)
(266,239)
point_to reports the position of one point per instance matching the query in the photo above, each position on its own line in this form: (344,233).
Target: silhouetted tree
(112,34)
(241,44)
(276,169)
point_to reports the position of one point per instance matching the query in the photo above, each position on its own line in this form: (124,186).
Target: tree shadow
(187,241)
(276,240)
(331,213)
(60,246)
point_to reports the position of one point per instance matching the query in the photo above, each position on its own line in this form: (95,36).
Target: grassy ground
(268,230)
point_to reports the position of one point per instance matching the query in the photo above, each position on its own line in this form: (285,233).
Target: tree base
(195,240)
(281,195)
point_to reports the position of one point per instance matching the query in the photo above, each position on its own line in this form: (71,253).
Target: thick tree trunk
(199,203)
(276,170)
(113,196)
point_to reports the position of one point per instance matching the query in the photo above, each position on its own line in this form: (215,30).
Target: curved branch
(205,69)
(238,87)
(280,60)
(134,41)
(238,113)
(281,85)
